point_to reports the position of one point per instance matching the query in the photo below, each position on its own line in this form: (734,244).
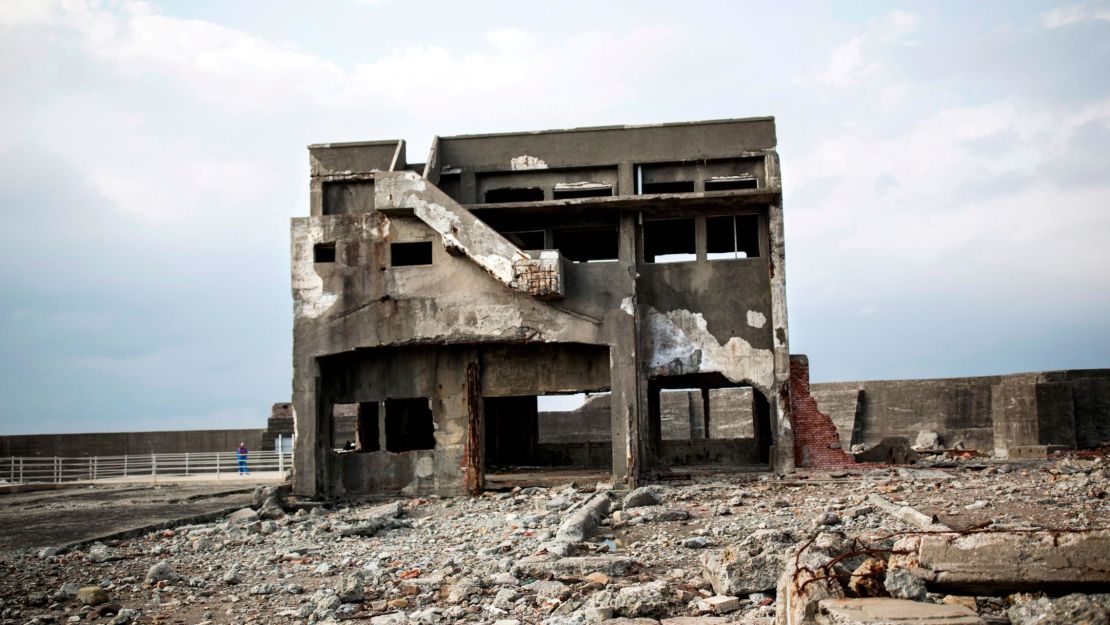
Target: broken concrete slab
(1007,561)
(574,567)
(753,565)
(885,611)
(890,450)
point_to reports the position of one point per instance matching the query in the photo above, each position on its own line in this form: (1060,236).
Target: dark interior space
(407,254)
(574,193)
(588,244)
(731,237)
(669,240)
(731,184)
(366,428)
(679,186)
(526,194)
(323,253)
(409,425)
(513,427)
(528,240)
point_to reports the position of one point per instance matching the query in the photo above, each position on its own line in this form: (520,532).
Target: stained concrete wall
(989,413)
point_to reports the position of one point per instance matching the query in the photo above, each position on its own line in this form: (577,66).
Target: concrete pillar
(627,384)
(782,455)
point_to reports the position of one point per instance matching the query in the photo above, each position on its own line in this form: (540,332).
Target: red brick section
(816,441)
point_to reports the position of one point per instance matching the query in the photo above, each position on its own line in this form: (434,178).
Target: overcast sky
(946,170)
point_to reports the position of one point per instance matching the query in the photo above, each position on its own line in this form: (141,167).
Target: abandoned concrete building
(452,317)
(525,306)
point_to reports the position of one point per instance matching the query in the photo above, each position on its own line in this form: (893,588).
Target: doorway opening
(533,440)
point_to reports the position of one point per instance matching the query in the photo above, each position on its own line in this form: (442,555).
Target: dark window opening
(323,253)
(573,191)
(501,196)
(409,425)
(669,241)
(732,237)
(730,183)
(588,245)
(680,186)
(405,254)
(530,240)
(366,428)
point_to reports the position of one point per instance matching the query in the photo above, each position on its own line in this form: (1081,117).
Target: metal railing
(24,469)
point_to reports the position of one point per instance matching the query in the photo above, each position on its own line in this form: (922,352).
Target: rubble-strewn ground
(496,557)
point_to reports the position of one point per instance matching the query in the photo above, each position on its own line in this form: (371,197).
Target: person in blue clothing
(241,455)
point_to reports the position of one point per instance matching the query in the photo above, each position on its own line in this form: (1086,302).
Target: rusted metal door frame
(474,465)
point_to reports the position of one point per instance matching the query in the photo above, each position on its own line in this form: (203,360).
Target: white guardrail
(24,469)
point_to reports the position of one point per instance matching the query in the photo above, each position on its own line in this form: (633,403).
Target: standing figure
(241,455)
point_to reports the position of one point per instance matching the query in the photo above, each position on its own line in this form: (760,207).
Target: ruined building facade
(439,307)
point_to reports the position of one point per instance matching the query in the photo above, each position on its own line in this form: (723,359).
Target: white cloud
(1075,14)
(852,61)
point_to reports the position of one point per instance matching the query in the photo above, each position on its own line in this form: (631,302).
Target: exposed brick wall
(817,444)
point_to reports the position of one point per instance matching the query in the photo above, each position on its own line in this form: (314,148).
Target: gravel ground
(490,558)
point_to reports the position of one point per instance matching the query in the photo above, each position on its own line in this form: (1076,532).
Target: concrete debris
(902,584)
(1013,561)
(927,440)
(753,565)
(1073,609)
(890,450)
(641,497)
(486,559)
(878,611)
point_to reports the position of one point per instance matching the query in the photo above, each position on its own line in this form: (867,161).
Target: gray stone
(641,600)
(640,497)
(91,595)
(264,589)
(902,584)
(350,589)
(696,542)
(162,572)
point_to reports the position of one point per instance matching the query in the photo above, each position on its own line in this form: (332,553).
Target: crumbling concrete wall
(988,413)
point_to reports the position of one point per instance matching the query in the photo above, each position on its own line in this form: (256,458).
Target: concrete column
(782,456)
(628,389)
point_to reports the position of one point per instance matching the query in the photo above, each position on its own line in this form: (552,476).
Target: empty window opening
(366,428)
(669,241)
(678,186)
(409,425)
(406,254)
(573,190)
(730,183)
(732,237)
(323,253)
(526,194)
(589,245)
(530,240)
(707,426)
(682,414)
(343,426)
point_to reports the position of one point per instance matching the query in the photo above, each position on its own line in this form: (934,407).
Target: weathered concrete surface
(884,611)
(367,328)
(1001,561)
(80,515)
